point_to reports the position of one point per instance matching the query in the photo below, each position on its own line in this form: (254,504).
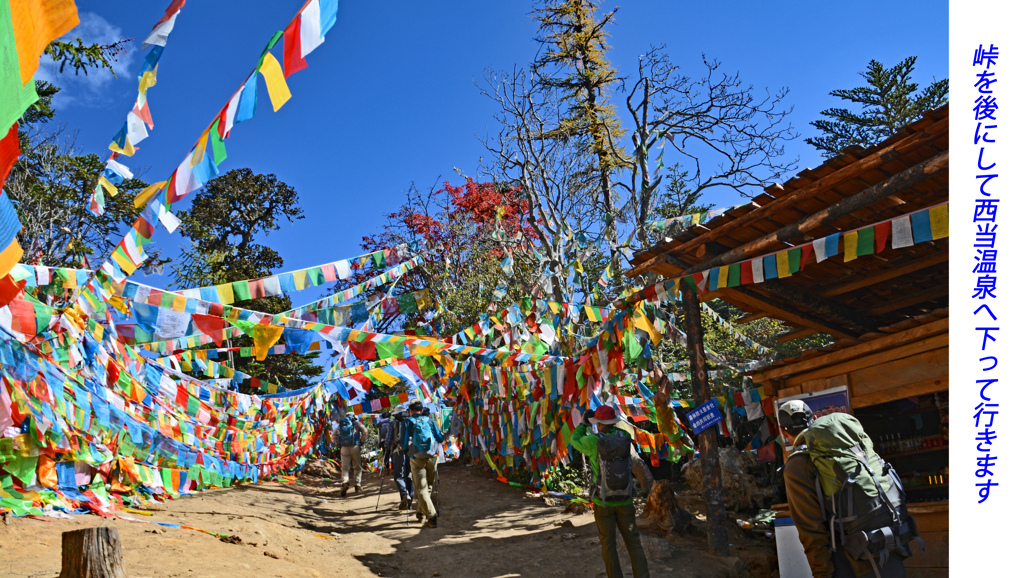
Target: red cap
(605,415)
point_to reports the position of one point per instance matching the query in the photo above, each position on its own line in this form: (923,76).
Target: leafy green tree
(222,226)
(52,183)
(889,102)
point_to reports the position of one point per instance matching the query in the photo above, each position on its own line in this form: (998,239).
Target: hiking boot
(344,490)
(431,523)
(405,503)
(359,489)
(419,516)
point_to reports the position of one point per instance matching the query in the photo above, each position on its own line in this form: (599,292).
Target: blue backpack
(421,438)
(346,432)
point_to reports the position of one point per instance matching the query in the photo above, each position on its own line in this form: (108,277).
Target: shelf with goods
(888,457)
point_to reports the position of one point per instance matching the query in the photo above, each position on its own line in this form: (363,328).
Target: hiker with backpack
(422,441)
(351,433)
(612,458)
(385,437)
(847,504)
(401,468)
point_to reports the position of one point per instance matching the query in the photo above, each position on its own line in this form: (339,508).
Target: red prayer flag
(9,151)
(364,350)
(805,253)
(9,289)
(746,272)
(212,326)
(293,60)
(881,234)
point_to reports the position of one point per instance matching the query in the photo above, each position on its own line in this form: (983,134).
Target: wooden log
(811,190)
(865,198)
(91,553)
(711,470)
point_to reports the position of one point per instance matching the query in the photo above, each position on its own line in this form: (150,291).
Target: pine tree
(889,102)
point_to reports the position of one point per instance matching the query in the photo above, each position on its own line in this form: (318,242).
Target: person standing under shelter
(612,459)
(422,441)
(350,435)
(834,547)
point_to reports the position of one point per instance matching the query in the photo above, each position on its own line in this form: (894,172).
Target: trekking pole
(381,490)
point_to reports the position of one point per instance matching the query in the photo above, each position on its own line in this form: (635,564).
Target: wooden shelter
(887,312)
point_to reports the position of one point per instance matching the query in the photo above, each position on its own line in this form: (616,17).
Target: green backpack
(861,496)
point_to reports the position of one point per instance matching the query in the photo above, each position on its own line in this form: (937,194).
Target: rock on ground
(740,489)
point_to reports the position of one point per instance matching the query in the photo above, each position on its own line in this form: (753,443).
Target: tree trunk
(91,553)
(714,502)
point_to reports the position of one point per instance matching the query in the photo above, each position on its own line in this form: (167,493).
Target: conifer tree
(889,102)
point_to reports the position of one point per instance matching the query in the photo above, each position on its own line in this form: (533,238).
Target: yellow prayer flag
(179,303)
(782,264)
(226,294)
(640,321)
(299,276)
(723,277)
(108,186)
(263,336)
(200,150)
(147,80)
(35,23)
(274,77)
(124,262)
(147,193)
(849,246)
(939,217)
(384,377)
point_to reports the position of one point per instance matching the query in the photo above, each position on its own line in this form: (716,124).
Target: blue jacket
(434,431)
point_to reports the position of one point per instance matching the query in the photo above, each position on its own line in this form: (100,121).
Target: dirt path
(485,529)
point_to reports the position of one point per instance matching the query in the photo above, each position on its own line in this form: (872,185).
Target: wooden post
(711,470)
(91,553)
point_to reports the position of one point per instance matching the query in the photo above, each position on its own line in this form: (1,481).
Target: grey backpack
(615,467)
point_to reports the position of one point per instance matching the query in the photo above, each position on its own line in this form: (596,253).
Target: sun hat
(606,415)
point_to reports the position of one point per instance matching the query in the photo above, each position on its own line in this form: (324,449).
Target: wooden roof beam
(791,335)
(889,341)
(916,265)
(865,198)
(752,317)
(851,170)
(823,308)
(914,299)
(787,313)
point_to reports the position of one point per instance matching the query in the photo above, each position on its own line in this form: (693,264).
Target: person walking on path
(401,468)
(385,437)
(612,460)
(351,434)
(422,441)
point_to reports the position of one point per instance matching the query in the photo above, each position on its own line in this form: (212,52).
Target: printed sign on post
(705,416)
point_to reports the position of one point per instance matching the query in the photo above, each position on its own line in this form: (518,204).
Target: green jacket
(586,443)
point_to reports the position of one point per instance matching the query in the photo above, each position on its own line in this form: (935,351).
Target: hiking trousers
(401,469)
(351,461)
(424,473)
(609,518)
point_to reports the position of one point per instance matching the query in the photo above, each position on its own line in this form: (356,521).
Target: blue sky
(390,98)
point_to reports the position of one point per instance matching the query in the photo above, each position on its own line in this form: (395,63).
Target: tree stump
(91,553)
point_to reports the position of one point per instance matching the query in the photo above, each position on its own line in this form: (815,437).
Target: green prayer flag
(217,143)
(734,275)
(389,350)
(407,303)
(23,468)
(241,290)
(427,367)
(866,241)
(794,260)
(378,259)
